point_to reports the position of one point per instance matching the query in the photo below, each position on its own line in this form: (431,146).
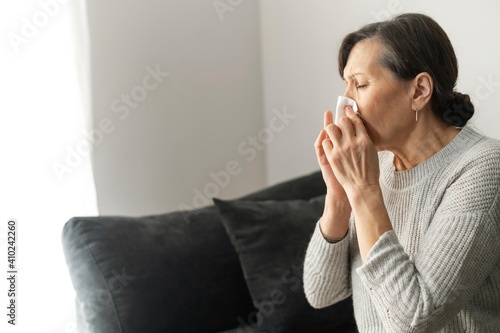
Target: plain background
(233,65)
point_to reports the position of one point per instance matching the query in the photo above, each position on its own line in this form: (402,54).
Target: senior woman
(411,223)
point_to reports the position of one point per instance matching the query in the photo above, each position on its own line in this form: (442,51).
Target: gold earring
(416,112)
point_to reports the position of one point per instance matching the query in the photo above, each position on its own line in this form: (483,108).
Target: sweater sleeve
(326,270)
(458,252)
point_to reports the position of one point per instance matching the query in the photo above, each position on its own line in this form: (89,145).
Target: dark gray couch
(175,272)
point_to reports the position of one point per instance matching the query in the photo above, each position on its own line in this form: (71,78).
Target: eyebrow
(350,76)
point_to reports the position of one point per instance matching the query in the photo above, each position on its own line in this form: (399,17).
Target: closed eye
(361,86)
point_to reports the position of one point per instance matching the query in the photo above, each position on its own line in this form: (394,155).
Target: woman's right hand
(337,209)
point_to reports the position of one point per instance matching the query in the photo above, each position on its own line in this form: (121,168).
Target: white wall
(157,155)
(300,40)
(228,81)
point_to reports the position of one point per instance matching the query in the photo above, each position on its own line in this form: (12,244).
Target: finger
(334,133)
(322,136)
(328,118)
(327,146)
(359,127)
(320,151)
(347,127)
(319,141)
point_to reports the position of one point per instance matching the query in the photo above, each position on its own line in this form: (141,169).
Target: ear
(423,86)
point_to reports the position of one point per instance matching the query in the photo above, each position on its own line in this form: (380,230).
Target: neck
(423,141)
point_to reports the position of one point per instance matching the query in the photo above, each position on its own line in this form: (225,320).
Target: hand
(334,189)
(351,155)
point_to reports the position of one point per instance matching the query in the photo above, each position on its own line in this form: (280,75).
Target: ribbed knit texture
(439,269)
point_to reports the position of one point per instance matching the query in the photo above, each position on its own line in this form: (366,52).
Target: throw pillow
(271,238)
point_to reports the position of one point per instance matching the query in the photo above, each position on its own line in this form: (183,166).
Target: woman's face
(384,103)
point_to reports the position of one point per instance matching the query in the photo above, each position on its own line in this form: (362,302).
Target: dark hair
(415,43)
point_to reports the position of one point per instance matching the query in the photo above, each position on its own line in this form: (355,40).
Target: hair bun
(459,110)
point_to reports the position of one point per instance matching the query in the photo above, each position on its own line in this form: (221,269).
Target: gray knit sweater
(439,269)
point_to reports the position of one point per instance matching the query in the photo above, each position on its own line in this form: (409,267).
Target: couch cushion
(271,239)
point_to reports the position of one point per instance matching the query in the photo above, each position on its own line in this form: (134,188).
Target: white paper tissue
(342,102)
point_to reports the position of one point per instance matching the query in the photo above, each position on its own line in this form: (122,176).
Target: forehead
(363,59)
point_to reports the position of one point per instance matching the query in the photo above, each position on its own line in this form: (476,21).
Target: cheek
(377,106)
(370,108)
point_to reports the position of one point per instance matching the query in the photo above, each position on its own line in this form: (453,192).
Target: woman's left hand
(352,155)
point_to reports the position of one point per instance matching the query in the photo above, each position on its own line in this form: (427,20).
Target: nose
(348,93)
